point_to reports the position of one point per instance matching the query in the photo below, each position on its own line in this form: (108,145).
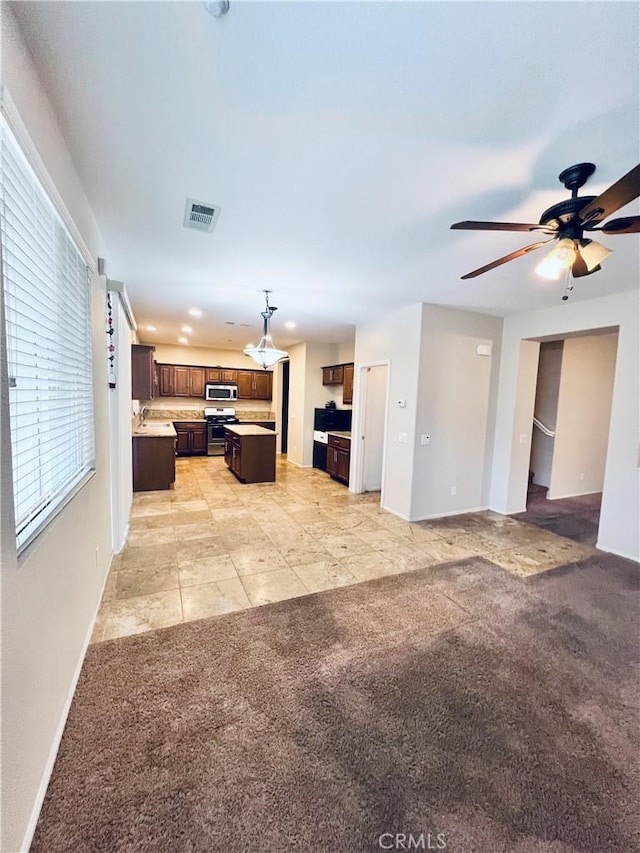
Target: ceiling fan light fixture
(560,258)
(266,354)
(593,253)
(547,268)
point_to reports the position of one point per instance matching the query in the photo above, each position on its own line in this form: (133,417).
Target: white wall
(619,518)
(395,337)
(546,410)
(51,594)
(120,427)
(306,393)
(456,401)
(584,411)
(297,376)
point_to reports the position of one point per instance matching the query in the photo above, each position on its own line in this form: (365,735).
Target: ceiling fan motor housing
(564,216)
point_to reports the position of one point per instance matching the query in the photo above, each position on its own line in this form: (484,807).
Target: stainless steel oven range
(216,420)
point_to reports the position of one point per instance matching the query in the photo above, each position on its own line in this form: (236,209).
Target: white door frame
(356,467)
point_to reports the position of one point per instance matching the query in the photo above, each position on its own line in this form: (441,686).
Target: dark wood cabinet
(255,384)
(220,374)
(165,376)
(154,462)
(333,375)
(191,438)
(181,386)
(142,372)
(196,381)
(181,380)
(232,452)
(340,374)
(347,388)
(245,385)
(251,455)
(338,457)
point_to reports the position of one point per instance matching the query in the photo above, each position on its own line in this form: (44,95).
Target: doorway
(284,420)
(369,427)
(570,433)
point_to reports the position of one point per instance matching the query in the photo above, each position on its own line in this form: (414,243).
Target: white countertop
(248,429)
(340,433)
(156,429)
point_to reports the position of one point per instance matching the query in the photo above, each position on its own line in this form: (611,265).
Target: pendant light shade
(559,258)
(266,354)
(593,253)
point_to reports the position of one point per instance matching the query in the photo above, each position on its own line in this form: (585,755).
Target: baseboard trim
(448,514)
(634,558)
(55,746)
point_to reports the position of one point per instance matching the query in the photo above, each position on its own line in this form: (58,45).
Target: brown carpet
(458,700)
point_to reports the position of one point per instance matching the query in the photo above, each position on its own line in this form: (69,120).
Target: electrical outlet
(523,438)
(582,476)
(425,439)
(403,437)
(453,490)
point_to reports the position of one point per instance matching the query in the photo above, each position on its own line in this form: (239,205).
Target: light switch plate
(425,438)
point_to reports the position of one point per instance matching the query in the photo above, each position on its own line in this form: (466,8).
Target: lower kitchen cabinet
(154,462)
(191,438)
(339,457)
(250,453)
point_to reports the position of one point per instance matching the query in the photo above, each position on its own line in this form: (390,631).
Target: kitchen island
(250,453)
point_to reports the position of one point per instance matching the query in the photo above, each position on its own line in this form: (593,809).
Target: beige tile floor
(212,545)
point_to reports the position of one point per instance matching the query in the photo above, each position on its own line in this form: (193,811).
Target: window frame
(52,508)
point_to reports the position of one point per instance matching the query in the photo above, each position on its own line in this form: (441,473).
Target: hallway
(575,518)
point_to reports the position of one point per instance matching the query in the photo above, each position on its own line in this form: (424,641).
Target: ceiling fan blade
(517,254)
(579,268)
(618,194)
(624,225)
(470,225)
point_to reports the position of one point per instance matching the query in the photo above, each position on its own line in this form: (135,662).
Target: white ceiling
(341,140)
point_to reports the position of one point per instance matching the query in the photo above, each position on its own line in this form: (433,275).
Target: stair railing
(543,428)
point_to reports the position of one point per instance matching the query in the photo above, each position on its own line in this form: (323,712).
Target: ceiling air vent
(200,215)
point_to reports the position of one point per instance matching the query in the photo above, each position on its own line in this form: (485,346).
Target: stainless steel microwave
(215,391)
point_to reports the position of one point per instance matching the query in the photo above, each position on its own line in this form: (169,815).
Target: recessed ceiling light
(152,328)
(195,312)
(187,329)
(289,324)
(183,341)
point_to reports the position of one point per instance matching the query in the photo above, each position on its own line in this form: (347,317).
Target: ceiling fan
(567,222)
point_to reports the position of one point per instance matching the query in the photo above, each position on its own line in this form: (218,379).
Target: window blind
(47,316)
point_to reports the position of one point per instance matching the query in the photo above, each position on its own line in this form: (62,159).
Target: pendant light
(266,353)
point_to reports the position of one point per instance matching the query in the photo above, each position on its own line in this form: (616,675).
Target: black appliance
(217,418)
(330,419)
(324,421)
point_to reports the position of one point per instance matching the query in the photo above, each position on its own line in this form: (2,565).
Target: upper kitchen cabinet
(221,374)
(340,374)
(143,377)
(333,375)
(254,384)
(177,380)
(347,388)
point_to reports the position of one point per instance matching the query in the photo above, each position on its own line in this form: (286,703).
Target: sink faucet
(144,411)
